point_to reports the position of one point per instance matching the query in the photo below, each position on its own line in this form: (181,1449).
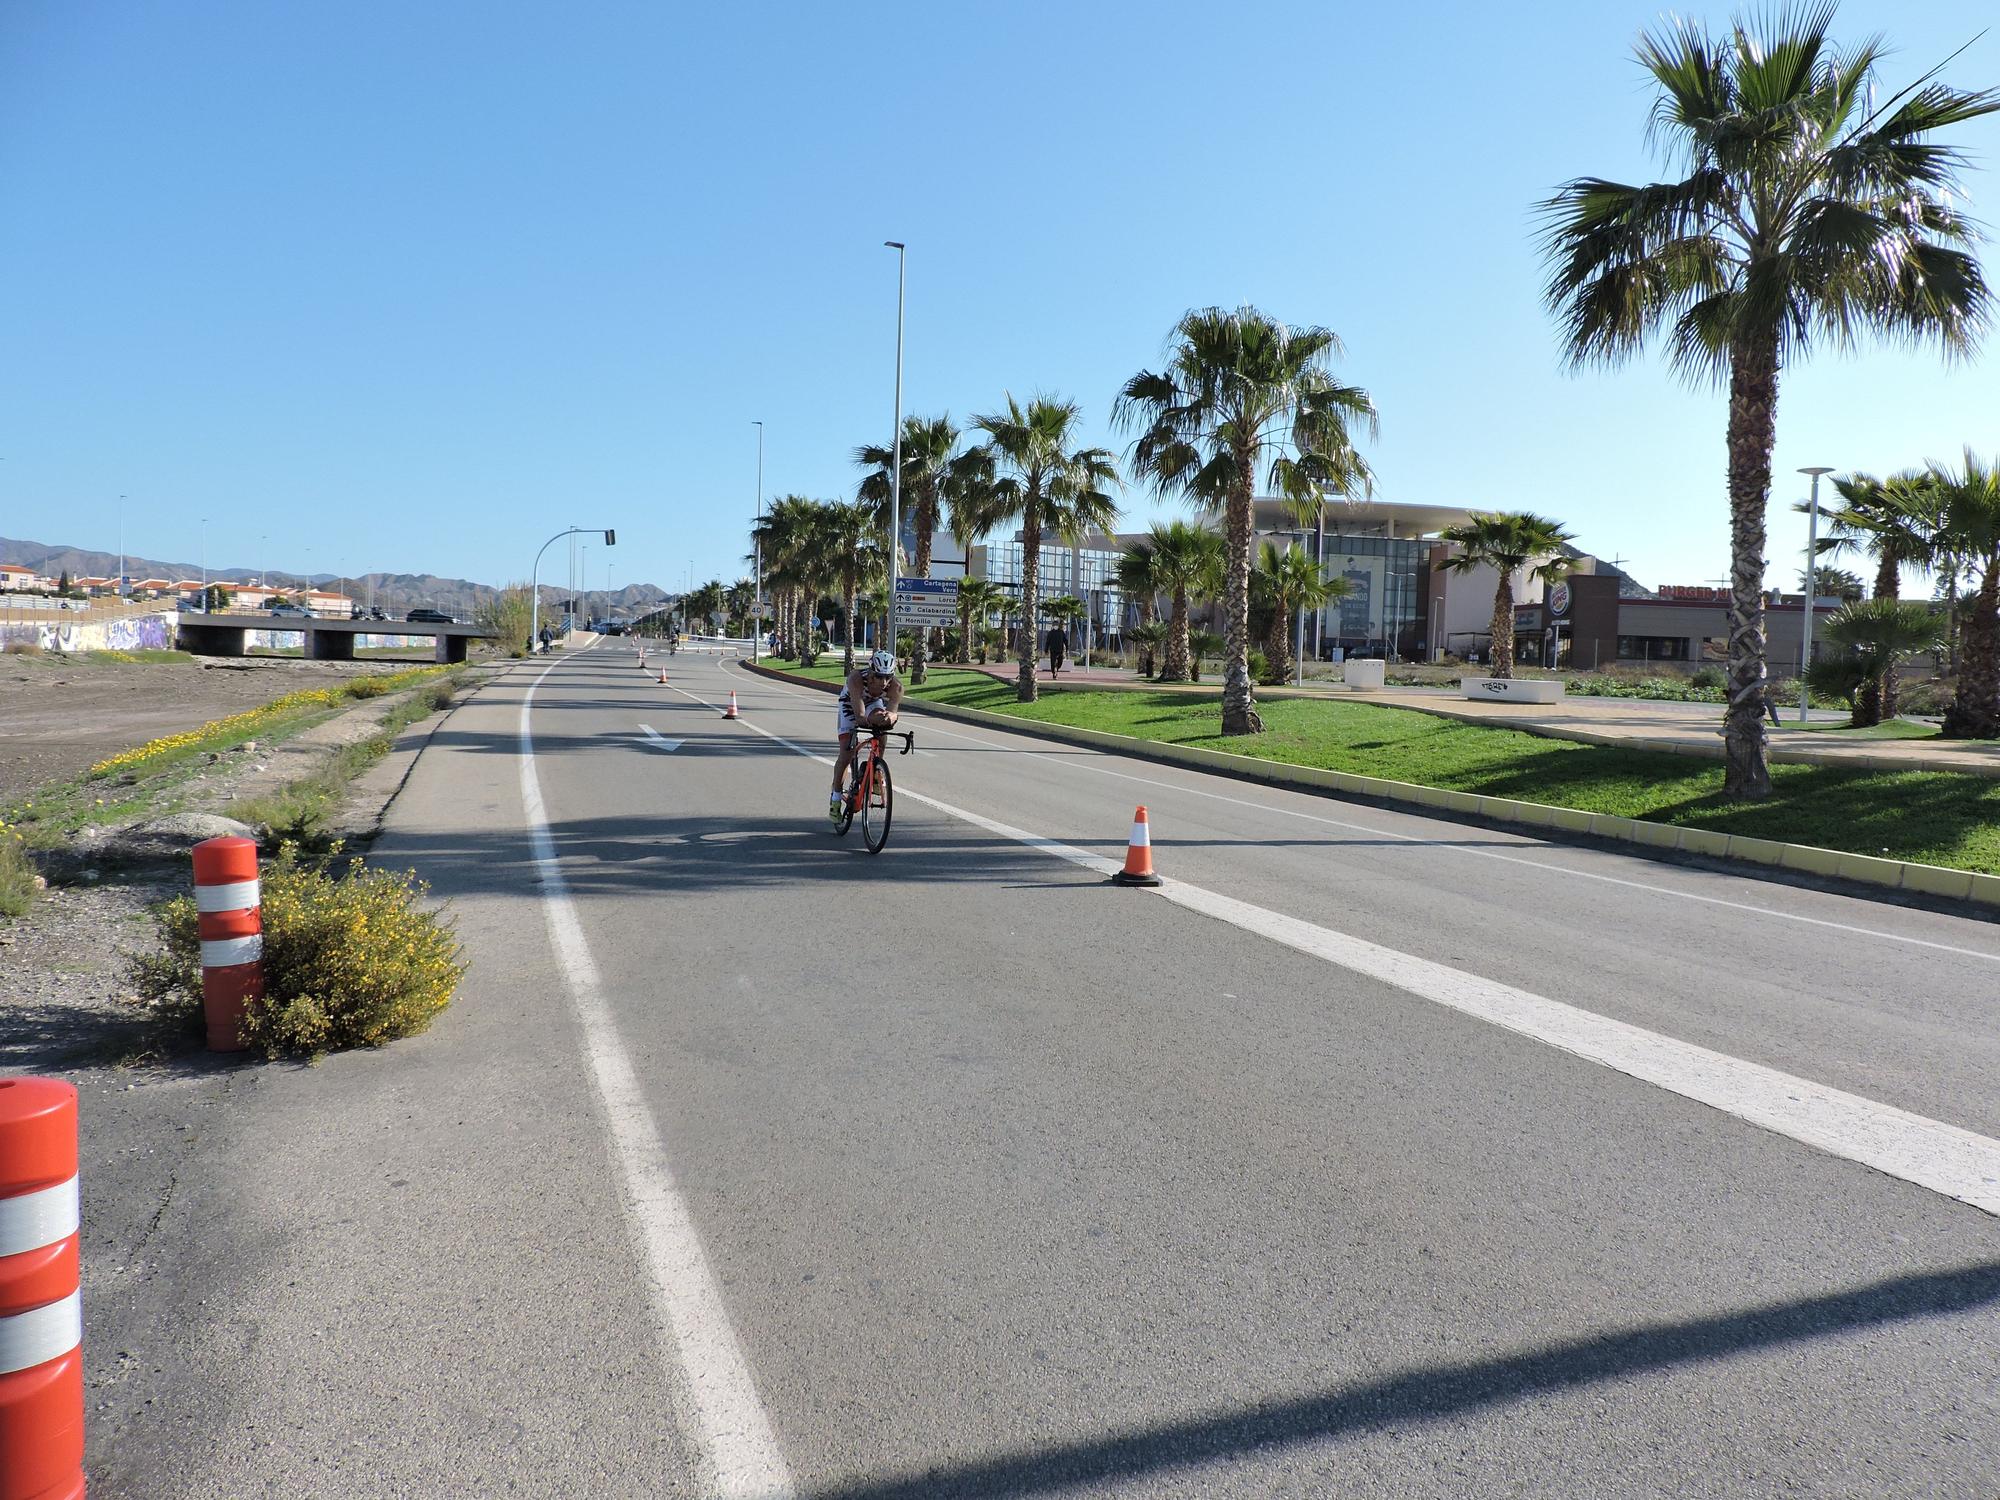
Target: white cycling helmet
(883,664)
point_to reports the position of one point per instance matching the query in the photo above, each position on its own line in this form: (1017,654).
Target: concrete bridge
(325,640)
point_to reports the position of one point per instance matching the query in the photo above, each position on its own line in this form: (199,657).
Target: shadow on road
(1438,1394)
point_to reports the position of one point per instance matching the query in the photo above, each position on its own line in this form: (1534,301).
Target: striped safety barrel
(231,920)
(41,1310)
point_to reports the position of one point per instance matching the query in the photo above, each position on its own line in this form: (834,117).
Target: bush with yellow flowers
(241,726)
(353,960)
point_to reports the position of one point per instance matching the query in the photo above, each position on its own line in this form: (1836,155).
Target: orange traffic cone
(1138,855)
(730,712)
(663,674)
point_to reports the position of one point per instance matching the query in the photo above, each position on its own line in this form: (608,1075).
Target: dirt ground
(60,716)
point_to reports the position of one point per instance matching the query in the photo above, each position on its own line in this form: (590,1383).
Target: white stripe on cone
(46,1216)
(1141,838)
(40,1334)
(237,895)
(224,953)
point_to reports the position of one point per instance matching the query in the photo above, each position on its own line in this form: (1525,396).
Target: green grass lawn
(1934,817)
(1888,729)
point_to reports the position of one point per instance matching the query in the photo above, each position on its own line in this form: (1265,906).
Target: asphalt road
(1380,1156)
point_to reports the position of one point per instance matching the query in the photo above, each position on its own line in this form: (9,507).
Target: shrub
(349,961)
(1709,677)
(1925,695)
(1836,677)
(1260,669)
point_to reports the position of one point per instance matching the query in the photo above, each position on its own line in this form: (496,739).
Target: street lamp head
(895,244)
(1816,470)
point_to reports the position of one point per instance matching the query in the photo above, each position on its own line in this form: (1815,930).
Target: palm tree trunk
(964,629)
(920,566)
(1975,710)
(1753,412)
(1888,578)
(1031,560)
(1502,627)
(1278,645)
(1177,640)
(1239,708)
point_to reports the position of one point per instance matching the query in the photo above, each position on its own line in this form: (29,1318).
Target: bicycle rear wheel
(875,810)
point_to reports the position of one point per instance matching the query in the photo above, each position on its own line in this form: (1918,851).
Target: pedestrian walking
(1057,644)
(547,636)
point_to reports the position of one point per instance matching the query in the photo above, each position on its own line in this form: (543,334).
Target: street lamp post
(204,564)
(1812,590)
(896,471)
(121,547)
(757,537)
(535,575)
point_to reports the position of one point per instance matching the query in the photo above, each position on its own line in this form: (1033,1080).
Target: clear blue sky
(407,285)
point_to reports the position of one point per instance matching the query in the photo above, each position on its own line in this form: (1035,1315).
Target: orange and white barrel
(41,1307)
(230,918)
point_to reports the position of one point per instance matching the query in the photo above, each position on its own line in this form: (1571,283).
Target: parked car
(291,609)
(428,617)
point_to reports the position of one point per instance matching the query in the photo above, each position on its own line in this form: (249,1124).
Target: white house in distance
(15,579)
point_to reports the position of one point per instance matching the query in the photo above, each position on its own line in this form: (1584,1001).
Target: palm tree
(1895,519)
(1133,574)
(1508,541)
(1881,633)
(976,598)
(1050,485)
(1291,582)
(1240,390)
(1187,565)
(1809,211)
(846,540)
(935,472)
(1148,637)
(1971,529)
(739,599)
(1831,583)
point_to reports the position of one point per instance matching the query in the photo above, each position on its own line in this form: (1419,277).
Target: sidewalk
(1636,723)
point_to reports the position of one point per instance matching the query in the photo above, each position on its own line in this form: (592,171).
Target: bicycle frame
(864,760)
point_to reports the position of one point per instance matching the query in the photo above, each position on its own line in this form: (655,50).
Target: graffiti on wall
(137,633)
(133,633)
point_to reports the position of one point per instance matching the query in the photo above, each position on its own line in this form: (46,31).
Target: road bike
(870,796)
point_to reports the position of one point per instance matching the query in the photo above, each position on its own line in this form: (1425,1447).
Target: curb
(1649,837)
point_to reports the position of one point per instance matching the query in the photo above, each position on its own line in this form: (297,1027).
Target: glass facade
(1089,574)
(1379,614)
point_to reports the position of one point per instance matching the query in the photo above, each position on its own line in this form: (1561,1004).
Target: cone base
(1125,877)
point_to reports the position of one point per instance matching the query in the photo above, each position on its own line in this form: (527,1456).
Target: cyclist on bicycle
(876,688)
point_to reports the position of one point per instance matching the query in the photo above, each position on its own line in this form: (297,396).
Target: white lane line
(736,1439)
(654,737)
(1946,1159)
(1074,762)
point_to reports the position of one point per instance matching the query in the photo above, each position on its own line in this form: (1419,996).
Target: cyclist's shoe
(834,802)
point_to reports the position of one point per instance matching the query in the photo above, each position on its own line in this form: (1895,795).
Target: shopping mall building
(1402,604)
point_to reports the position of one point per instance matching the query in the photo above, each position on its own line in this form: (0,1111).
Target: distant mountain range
(394,593)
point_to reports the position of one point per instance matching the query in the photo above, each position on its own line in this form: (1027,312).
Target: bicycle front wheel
(875,810)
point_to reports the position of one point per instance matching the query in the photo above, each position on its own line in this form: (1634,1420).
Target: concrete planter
(1513,689)
(1365,674)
